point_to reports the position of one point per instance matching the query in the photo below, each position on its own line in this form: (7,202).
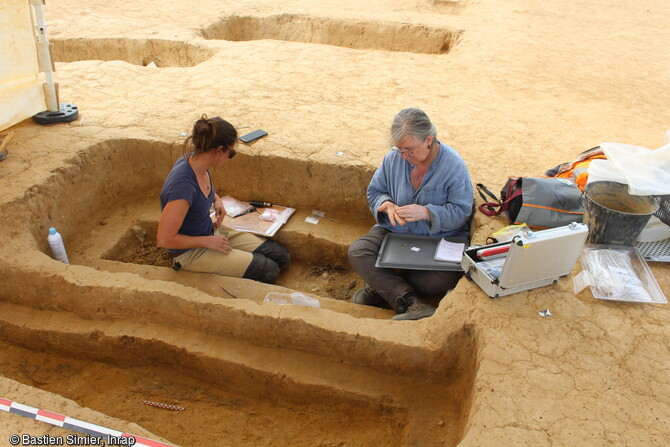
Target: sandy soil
(322,279)
(516,87)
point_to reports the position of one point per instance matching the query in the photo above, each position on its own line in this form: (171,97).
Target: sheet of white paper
(449,251)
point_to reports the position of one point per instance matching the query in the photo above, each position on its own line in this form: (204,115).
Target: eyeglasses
(407,152)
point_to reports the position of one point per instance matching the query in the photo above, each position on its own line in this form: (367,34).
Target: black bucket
(613,216)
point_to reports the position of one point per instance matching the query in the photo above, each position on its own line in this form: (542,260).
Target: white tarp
(21,92)
(645,171)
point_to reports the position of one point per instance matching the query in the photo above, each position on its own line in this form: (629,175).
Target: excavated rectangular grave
(119,190)
(320,268)
(162,52)
(374,35)
(169,337)
(214,412)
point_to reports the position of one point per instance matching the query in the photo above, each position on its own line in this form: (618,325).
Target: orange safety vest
(577,170)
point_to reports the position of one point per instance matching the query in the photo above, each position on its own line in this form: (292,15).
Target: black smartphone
(251,136)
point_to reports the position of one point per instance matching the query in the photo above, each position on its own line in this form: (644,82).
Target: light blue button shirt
(446,191)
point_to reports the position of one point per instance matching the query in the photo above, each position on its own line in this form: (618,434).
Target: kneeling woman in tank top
(185,228)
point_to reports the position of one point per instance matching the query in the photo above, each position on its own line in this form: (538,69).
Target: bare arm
(168,235)
(219,209)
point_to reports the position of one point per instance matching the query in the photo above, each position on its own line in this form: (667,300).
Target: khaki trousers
(233,263)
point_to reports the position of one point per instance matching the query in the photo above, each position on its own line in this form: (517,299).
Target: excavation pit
(140,249)
(318,276)
(212,411)
(372,35)
(208,343)
(253,396)
(115,186)
(163,53)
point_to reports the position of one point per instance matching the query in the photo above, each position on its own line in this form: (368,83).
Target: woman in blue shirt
(422,187)
(185,228)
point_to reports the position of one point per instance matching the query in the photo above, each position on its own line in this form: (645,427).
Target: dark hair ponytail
(208,134)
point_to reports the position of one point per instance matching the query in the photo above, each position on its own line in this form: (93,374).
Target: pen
(245,212)
(256,204)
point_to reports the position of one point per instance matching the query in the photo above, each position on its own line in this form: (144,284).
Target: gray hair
(413,122)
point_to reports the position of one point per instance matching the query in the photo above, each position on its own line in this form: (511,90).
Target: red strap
(487,208)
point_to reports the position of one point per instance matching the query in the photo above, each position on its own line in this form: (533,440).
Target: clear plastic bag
(235,207)
(270,214)
(295,298)
(610,271)
(617,274)
(493,268)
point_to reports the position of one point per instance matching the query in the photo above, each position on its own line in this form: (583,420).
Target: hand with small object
(391,209)
(413,213)
(218,243)
(220,211)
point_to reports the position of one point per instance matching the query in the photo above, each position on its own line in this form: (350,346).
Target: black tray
(400,251)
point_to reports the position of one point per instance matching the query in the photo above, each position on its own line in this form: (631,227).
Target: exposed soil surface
(150,254)
(516,87)
(322,279)
(121,392)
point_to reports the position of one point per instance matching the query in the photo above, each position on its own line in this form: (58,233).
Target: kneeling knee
(353,251)
(274,251)
(262,269)
(283,258)
(270,272)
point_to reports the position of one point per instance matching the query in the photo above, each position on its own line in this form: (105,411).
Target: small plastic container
(619,273)
(270,214)
(297,299)
(57,245)
(655,230)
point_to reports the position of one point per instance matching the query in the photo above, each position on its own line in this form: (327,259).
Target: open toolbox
(531,259)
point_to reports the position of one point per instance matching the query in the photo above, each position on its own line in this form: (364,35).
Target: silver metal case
(535,259)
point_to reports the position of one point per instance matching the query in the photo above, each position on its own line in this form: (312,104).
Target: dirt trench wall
(338,189)
(83,187)
(126,350)
(163,53)
(339,32)
(107,174)
(110,297)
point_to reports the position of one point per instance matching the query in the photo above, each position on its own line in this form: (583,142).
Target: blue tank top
(181,183)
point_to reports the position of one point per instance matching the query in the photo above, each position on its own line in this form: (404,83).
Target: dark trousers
(268,259)
(391,283)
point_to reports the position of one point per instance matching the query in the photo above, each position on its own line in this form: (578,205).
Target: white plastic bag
(617,273)
(295,298)
(645,171)
(605,171)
